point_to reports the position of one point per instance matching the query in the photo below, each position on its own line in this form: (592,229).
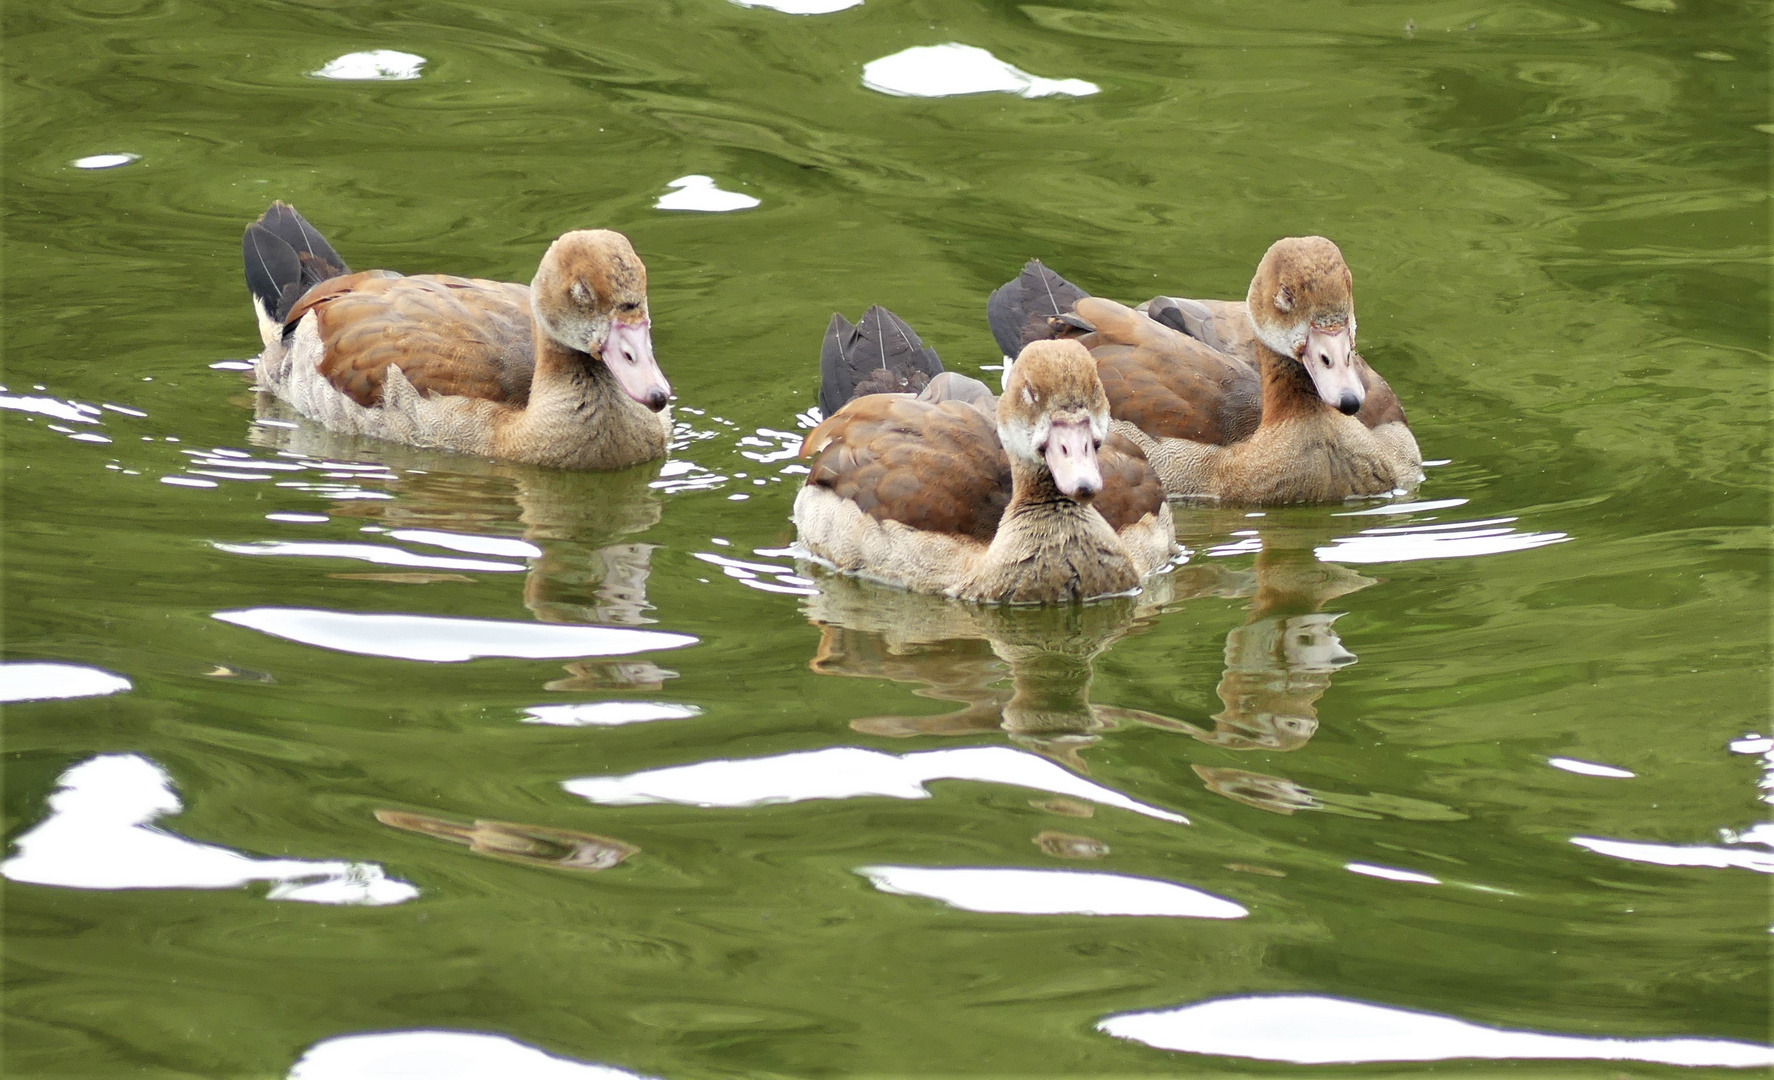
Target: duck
(559,372)
(1020,499)
(1259,402)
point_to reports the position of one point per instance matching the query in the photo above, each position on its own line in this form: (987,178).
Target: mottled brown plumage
(933,467)
(466,337)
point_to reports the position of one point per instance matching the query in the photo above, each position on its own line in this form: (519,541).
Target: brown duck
(1009,500)
(1263,401)
(558,372)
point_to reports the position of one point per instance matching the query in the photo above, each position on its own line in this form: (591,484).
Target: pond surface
(351,742)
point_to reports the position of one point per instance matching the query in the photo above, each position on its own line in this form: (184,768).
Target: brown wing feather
(937,467)
(1131,488)
(452,336)
(1166,383)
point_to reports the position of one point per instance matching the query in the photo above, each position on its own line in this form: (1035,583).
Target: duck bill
(1071,458)
(628,353)
(1329,357)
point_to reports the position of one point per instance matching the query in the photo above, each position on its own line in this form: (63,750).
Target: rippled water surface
(327,758)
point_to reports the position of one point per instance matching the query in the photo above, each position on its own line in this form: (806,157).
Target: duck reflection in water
(532,845)
(963,653)
(1280,662)
(577,573)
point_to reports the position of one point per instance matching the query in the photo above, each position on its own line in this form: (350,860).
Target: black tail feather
(881,354)
(285,257)
(1019,310)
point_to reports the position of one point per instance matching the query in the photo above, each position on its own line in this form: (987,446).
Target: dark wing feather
(881,354)
(285,257)
(1018,312)
(293,229)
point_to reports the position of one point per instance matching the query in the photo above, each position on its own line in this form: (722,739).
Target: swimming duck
(559,372)
(1011,500)
(1262,402)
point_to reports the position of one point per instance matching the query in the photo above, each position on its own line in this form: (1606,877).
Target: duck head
(1054,414)
(590,294)
(1302,303)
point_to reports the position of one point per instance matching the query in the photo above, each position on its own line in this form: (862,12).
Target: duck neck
(1033,491)
(561,368)
(1288,392)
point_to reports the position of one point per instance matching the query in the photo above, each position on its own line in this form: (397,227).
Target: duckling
(559,373)
(1016,500)
(1261,402)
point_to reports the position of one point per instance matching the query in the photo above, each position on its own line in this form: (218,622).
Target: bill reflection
(531,845)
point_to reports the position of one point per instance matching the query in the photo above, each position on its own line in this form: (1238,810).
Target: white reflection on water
(845,772)
(447,640)
(1589,768)
(1754,743)
(1050,892)
(43,682)
(1678,854)
(98,836)
(952,69)
(1312,1030)
(508,546)
(608,713)
(698,192)
(72,411)
(1404,508)
(105,161)
(370,553)
(1391,873)
(440,1055)
(1453,540)
(765,577)
(801,7)
(377,64)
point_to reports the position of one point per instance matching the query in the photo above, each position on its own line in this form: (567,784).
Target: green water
(1555,211)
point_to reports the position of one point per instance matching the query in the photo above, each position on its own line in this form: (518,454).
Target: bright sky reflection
(846,772)
(1312,1030)
(440,1055)
(1050,892)
(953,69)
(98,836)
(371,553)
(801,7)
(698,192)
(43,682)
(607,713)
(376,64)
(445,640)
(1679,854)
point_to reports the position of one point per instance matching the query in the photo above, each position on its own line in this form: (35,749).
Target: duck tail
(881,354)
(1020,310)
(284,257)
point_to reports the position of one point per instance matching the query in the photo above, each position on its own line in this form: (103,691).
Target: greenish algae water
(1555,212)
